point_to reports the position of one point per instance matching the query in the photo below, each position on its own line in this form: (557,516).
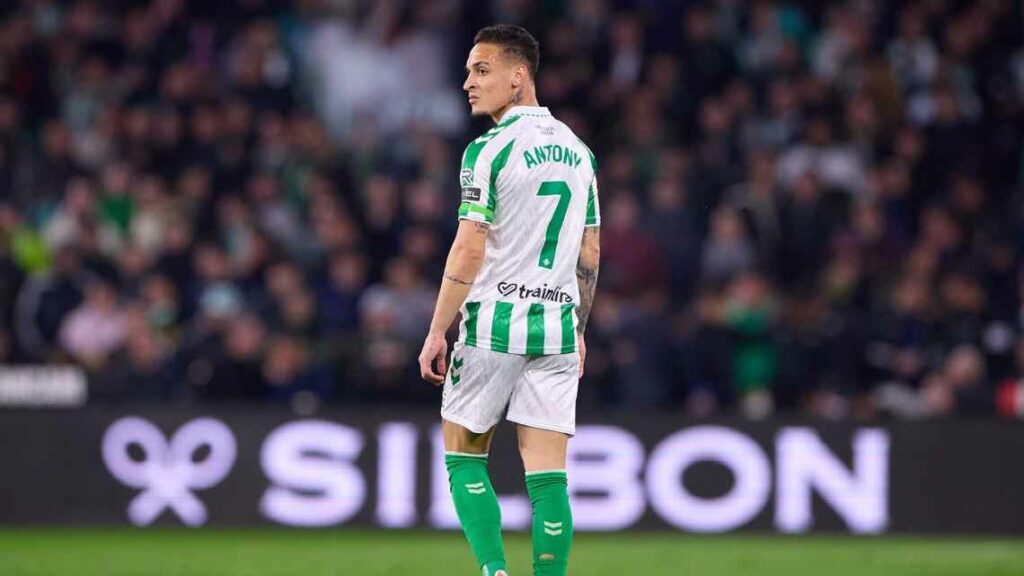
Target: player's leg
(543,454)
(473,495)
(544,406)
(476,391)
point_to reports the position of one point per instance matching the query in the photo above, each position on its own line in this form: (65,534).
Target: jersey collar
(526,111)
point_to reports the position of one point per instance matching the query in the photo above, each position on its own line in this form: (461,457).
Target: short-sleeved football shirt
(534,182)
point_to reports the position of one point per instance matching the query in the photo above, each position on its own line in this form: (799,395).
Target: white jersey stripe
(485,324)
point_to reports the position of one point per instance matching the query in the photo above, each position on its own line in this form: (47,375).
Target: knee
(542,449)
(461,439)
(542,457)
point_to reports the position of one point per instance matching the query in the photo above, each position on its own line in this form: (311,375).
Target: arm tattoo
(456,280)
(481,228)
(586,275)
(587,278)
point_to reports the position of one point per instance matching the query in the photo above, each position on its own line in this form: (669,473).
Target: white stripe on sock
(465,454)
(532,472)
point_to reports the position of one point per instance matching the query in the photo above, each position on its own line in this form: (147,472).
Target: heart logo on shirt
(507,288)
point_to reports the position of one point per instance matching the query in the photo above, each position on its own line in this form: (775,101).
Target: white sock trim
(465,454)
(532,472)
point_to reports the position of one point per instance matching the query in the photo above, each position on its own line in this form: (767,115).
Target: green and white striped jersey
(534,182)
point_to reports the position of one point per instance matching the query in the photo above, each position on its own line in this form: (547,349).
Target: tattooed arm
(586,275)
(464,261)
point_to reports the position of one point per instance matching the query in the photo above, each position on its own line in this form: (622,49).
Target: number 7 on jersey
(561,189)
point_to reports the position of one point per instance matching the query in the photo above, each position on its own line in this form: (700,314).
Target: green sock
(477,507)
(552,522)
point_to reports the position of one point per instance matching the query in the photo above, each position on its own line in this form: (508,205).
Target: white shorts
(539,391)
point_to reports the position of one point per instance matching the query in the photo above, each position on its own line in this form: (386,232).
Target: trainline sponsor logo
(544,292)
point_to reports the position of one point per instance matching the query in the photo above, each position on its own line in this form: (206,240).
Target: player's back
(533,181)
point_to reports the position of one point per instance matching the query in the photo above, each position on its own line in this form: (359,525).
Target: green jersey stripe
(500,326)
(472,309)
(471,154)
(591,207)
(499,162)
(493,132)
(593,159)
(591,217)
(568,330)
(465,208)
(505,123)
(535,330)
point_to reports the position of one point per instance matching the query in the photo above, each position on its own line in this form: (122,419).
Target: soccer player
(522,270)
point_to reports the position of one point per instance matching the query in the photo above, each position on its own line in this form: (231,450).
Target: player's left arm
(589,261)
(587,268)
(460,271)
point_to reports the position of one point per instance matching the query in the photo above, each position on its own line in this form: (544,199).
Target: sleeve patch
(471,193)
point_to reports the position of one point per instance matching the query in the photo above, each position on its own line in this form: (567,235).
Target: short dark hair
(514,41)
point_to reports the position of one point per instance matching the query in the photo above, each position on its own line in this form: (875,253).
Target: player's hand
(435,348)
(583,352)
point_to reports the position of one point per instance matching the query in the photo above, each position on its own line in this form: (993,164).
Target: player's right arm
(460,271)
(587,268)
(466,257)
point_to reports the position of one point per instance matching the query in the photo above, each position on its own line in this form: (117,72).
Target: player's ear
(518,76)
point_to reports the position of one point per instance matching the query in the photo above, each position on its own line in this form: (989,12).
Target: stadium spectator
(291,371)
(1010,395)
(95,329)
(141,369)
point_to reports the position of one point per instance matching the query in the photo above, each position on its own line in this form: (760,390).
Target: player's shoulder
(493,146)
(493,140)
(571,136)
(590,153)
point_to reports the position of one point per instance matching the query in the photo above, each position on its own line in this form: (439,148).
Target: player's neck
(526,98)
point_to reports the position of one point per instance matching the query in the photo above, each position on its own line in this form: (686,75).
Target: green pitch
(173,552)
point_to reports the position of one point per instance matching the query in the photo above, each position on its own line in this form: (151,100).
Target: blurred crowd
(808,207)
